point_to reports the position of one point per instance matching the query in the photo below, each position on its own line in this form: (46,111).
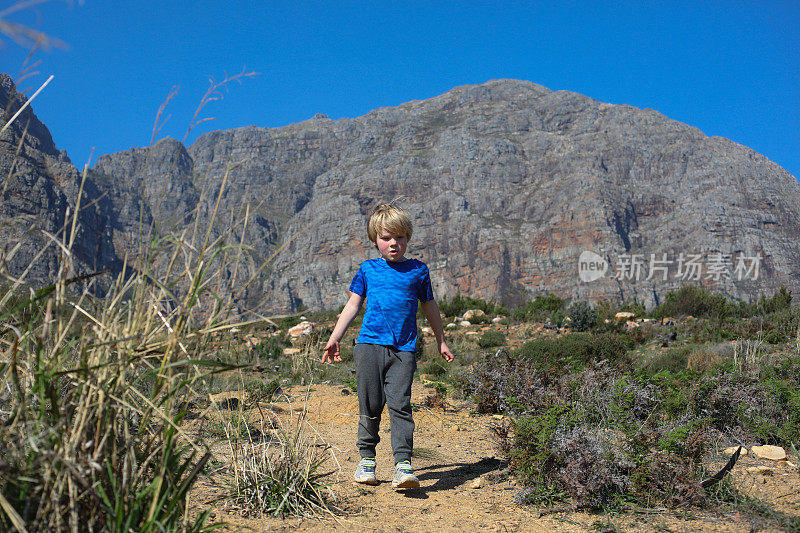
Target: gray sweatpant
(384,376)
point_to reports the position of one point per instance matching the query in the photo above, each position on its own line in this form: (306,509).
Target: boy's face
(392,246)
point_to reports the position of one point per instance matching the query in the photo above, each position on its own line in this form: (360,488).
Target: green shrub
(271,347)
(780,422)
(492,338)
(287,322)
(680,439)
(582,316)
(781,326)
(671,360)
(575,350)
(459,304)
(480,319)
(540,308)
(779,301)
(531,455)
(694,301)
(700,303)
(673,390)
(556,318)
(775,337)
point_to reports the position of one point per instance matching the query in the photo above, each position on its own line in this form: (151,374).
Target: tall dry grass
(90,416)
(92,389)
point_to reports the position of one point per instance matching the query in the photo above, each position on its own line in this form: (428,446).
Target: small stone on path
(732,450)
(774,453)
(478,483)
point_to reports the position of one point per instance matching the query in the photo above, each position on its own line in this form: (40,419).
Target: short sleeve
(425,290)
(359,283)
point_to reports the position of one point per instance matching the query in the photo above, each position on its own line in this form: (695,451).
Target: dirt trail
(453,449)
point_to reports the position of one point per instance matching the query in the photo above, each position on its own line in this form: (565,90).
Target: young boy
(385,350)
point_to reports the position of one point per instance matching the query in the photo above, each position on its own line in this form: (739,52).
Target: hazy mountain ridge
(508,183)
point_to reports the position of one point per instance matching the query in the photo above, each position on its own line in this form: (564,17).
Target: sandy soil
(457,464)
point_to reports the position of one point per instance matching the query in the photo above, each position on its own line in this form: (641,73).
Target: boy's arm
(351,308)
(431,312)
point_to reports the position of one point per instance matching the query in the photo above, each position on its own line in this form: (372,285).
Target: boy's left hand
(446,353)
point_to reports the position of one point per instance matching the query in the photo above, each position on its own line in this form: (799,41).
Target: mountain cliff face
(39,190)
(508,183)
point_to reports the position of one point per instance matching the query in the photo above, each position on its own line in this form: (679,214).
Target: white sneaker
(365,472)
(404,477)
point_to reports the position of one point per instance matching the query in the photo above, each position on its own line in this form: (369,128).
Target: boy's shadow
(451,476)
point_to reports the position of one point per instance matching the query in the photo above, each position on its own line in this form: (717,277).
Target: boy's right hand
(331,353)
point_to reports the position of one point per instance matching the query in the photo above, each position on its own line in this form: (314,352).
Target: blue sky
(729,68)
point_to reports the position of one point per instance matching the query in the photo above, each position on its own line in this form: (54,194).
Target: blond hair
(390,217)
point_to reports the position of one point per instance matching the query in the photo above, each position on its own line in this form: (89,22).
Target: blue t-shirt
(392,290)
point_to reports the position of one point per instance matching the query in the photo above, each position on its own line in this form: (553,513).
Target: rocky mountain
(515,190)
(39,191)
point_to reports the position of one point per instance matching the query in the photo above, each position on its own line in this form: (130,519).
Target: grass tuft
(284,475)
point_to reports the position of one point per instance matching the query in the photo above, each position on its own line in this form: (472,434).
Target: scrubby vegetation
(540,307)
(607,413)
(492,339)
(582,316)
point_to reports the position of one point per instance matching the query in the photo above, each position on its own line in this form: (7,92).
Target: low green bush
(691,300)
(671,359)
(701,303)
(531,455)
(480,319)
(271,347)
(574,350)
(582,316)
(491,339)
(780,301)
(540,308)
(458,305)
